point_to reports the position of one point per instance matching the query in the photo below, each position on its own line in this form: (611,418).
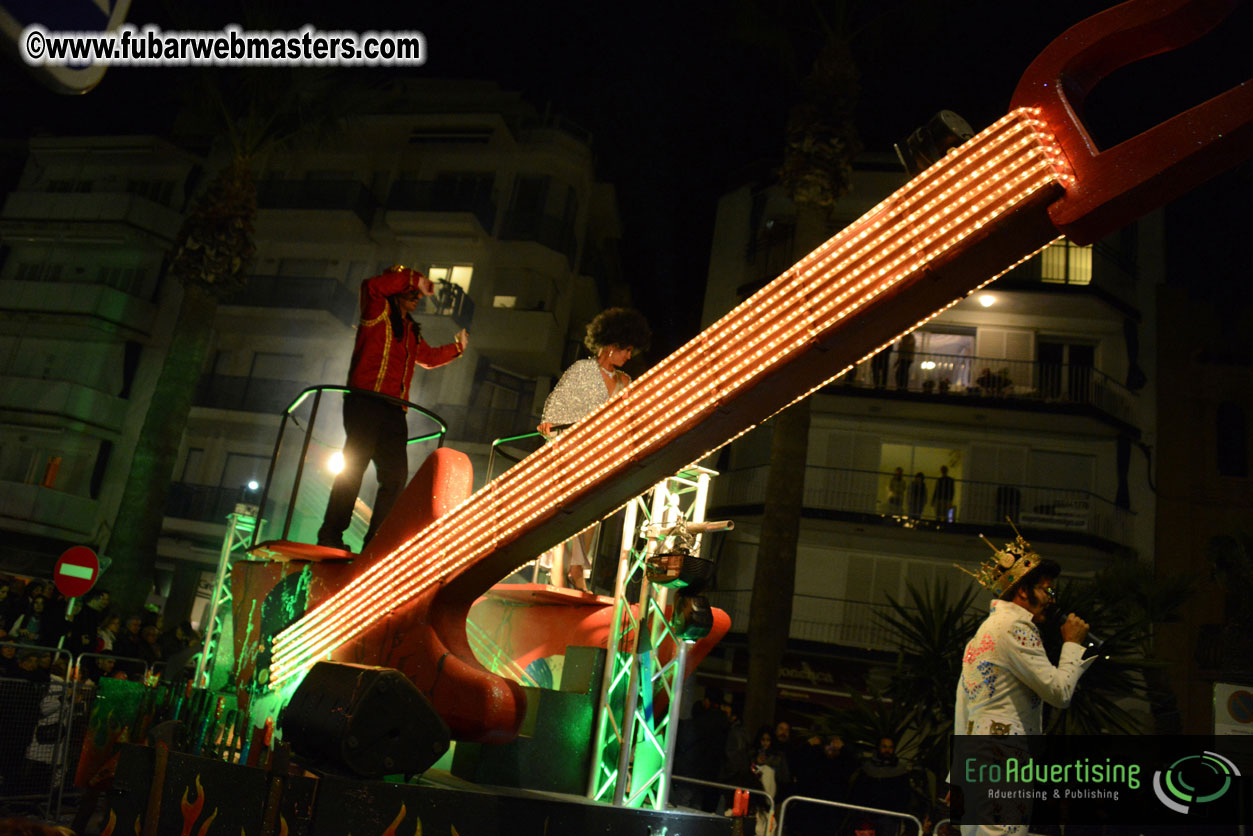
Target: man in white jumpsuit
(1006,675)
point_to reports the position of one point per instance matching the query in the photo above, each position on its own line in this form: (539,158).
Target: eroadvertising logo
(1194,779)
(1113,779)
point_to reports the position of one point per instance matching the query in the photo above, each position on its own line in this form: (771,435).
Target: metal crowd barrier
(842,805)
(33,731)
(731,787)
(88,669)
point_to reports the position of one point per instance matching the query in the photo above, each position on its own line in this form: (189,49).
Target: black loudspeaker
(364,721)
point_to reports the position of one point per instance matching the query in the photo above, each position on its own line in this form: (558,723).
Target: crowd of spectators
(713,746)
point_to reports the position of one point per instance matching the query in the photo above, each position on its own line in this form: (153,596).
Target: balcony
(91,301)
(297,292)
(1101,270)
(439,197)
(316,202)
(246,394)
(862,496)
(63,399)
(48,511)
(547,230)
(995,381)
(87,216)
(450,301)
(819,619)
(202,503)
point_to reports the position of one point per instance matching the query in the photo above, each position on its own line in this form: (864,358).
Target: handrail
(317,391)
(843,805)
(732,787)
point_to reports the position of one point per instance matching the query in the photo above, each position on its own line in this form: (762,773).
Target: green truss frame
(634,746)
(219,626)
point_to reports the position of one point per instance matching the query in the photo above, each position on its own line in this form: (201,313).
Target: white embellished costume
(580,390)
(1005,678)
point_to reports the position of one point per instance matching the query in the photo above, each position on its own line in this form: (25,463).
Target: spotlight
(942,132)
(335,463)
(364,721)
(987,300)
(679,569)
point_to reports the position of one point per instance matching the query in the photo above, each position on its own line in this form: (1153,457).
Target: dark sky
(682,96)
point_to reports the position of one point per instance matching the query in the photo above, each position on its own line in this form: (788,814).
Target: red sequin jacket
(380,361)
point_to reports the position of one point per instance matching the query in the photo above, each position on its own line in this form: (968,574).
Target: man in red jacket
(388,347)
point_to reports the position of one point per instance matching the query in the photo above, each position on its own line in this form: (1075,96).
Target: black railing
(202,503)
(246,394)
(436,196)
(326,195)
(869,493)
(993,377)
(548,230)
(298,292)
(449,300)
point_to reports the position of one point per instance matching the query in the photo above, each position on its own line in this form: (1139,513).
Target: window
(241,469)
(1066,263)
(158,191)
(458,274)
(504,301)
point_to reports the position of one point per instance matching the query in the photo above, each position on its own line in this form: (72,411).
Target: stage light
(335,464)
(253,484)
(942,133)
(928,364)
(987,300)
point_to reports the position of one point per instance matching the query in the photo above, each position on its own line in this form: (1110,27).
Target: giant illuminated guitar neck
(965,220)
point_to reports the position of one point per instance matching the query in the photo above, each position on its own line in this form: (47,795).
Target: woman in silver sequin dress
(613,337)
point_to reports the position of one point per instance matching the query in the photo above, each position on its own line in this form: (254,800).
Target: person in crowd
(896,492)
(613,337)
(942,496)
(700,736)
(50,724)
(389,346)
(83,630)
(8,661)
(130,644)
(180,638)
(883,783)
(151,637)
(879,365)
(10,607)
(904,359)
(917,495)
(824,769)
(36,625)
(1007,651)
(108,632)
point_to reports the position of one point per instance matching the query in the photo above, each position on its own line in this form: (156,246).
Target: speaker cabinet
(364,721)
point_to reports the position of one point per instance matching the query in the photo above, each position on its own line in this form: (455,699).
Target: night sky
(680,97)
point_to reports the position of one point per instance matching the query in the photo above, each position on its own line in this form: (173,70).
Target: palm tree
(255,111)
(816,172)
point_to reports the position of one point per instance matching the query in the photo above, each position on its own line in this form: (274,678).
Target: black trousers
(376,432)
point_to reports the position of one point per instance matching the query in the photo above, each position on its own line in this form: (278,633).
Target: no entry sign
(76,571)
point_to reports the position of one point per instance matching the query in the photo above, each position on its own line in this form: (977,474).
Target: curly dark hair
(623,327)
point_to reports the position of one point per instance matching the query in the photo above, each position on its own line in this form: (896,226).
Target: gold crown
(1007,566)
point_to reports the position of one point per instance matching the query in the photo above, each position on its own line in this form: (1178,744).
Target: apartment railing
(870,493)
(325,294)
(818,618)
(246,394)
(994,378)
(326,195)
(435,196)
(202,503)
(449,300)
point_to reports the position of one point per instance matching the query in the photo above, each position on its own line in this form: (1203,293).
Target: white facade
(1023,400)
(461,180)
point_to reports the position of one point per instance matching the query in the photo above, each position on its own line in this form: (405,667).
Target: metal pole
(224,558)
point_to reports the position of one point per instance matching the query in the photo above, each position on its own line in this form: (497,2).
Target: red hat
(417,280)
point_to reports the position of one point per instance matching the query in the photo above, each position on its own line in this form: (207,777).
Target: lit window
(1066,263)
(504,301)
(458,274)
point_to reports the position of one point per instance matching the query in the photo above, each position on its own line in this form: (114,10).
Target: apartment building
(1036,396)
(497,203)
